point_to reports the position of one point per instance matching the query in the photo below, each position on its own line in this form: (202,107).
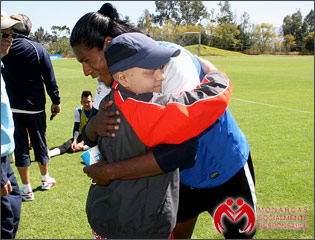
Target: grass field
(212,51)
(273,103)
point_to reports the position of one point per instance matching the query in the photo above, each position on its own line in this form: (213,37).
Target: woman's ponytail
(108,10)
(92,28)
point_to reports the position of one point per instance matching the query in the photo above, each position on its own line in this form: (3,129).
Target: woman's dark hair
(92,29)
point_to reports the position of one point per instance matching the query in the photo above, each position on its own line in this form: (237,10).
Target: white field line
(274,106)
(67,69)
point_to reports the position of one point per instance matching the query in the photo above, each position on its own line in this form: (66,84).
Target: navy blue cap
(136,50)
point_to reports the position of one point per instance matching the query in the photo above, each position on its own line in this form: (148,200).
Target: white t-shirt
(101,91)
(180,74)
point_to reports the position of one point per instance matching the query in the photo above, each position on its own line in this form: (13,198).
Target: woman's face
(94,63)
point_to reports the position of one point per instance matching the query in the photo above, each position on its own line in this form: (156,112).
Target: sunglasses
(6,35)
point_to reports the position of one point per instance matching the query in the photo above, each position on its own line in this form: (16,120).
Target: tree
(42,37)
(262,36)
(61,32)
(39,34)
(225,15)
(309,42)
(293,25)
(309,20)
(289,42)
(145,22)
(225,36)
(245,24)
(128,20)
(192,12)
(61,43)
(209,27)
(244,36)
(180,12)
(167,10)
(61,46)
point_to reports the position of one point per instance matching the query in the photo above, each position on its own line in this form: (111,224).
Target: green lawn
(273,103)
(211,51)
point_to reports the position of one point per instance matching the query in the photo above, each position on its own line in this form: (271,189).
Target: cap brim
(150,55)
(10,23)
(157,57)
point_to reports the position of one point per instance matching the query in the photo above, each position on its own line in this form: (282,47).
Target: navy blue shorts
(193,201)
(36,125)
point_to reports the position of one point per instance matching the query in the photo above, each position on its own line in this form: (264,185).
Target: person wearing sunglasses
(11,34)
(27,96)
(10,193)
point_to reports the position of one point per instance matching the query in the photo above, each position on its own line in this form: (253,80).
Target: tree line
(224,30)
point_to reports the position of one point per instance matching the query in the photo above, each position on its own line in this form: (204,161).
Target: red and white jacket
(147,120)
(157,118)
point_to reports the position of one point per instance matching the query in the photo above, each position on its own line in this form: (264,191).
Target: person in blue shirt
(10,193)
(26,92)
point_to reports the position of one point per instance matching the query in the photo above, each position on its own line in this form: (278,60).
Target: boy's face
(87,103)
(140,80)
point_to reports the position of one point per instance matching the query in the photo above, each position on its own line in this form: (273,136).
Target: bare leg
(43,168)
(25,174)
(184,230)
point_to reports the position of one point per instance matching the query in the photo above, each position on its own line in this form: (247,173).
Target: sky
(48,13)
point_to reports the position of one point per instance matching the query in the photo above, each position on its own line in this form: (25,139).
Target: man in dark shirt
(27,96)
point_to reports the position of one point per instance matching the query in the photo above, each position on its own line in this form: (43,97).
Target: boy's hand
(206,65)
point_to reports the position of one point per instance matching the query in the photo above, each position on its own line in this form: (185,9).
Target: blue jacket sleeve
(172,156)
(48,76)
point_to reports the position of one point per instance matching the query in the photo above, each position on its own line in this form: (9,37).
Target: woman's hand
(106,121)
(97,172)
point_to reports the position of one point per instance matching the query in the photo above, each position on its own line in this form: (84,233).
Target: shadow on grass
(39,188)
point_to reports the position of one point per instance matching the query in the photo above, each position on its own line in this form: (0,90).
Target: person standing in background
(10,193)
(26,92)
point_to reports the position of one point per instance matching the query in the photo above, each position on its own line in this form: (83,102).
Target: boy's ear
(107,40)
(121,79)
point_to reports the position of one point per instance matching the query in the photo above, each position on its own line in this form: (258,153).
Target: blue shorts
(36,125)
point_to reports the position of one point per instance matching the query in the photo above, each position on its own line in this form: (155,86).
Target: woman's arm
(161,159)
(206,65)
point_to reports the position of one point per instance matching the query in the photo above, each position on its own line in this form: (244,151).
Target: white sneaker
(50,182)
(27,196)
